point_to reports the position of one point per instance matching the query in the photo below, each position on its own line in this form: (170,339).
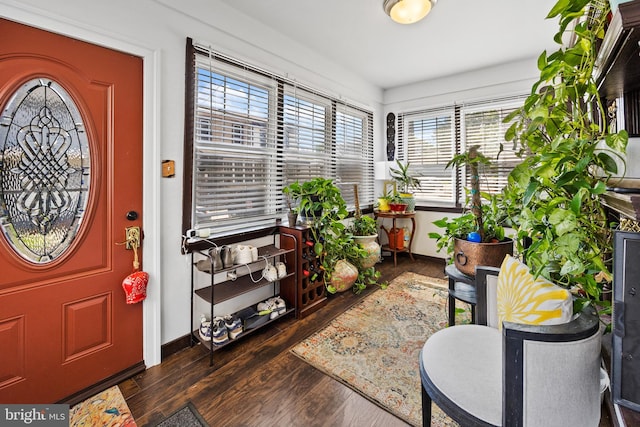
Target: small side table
(394,216)
(463,288)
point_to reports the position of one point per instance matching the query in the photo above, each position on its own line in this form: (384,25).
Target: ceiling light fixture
(408,11)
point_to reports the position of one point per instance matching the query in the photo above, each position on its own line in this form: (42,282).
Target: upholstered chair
(522,375)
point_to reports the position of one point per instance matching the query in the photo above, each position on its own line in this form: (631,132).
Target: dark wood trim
(189,114)
(175,346)
(104,384)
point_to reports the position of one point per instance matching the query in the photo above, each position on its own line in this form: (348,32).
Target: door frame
(151,204)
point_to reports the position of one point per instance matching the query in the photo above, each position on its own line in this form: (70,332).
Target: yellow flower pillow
(533,301)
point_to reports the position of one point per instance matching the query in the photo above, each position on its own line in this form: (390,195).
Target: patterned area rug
(373,347)
(106,409)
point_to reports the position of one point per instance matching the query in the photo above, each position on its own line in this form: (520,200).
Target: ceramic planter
(369,244)
(383,204)
(344,275)
(397,207)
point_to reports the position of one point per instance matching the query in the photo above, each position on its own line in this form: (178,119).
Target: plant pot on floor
(371,246)
(467,255)
(344,275)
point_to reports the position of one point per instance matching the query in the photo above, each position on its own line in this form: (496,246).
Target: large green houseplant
(553,196)
(477,237)
(321,201)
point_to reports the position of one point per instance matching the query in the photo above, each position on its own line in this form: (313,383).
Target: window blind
(255,132)
(235,150)
(428,143)
(485,128)
(429,139)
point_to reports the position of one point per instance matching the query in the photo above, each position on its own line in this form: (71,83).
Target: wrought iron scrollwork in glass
(45,173)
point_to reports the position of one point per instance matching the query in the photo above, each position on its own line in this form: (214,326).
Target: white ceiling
(457,36)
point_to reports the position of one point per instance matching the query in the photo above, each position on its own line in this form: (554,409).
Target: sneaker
(219,334)
(234,325)
(282,269)
(205,328)
(281,306)
(268,306)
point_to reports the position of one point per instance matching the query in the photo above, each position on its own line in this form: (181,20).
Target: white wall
(157,30)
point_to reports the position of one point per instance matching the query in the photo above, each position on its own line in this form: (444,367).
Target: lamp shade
(407,11)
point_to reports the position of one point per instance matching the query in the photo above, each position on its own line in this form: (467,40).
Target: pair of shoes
(219,332)
(282,269)
(273,306)
(234,325)
(205,328)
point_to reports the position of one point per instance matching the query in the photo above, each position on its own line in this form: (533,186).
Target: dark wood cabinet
(617,70)
(307,286)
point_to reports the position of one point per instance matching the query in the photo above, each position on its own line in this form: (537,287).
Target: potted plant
(477,237)
(383,201)
(398,204)
(318,199)
(292,214)
(405,182)
(364,230)
(322,204)
(554,195)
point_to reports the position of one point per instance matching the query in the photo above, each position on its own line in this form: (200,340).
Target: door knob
(132,215)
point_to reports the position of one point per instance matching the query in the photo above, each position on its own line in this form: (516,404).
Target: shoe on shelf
(219,333)
(267,305)
(281,306)
(277,304)
(205,328)
(234,325)
(282,269)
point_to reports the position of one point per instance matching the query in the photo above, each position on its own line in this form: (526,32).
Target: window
(249,133)
(429,139)
(428,142)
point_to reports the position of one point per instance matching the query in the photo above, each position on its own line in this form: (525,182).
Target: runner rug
(373,347)
(106,409)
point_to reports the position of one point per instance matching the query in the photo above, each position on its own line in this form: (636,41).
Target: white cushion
(465,363)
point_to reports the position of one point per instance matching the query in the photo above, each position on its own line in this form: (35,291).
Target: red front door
(71,171)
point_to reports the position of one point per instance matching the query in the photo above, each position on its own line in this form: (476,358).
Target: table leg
(452,303)
(413,233)
(395,251)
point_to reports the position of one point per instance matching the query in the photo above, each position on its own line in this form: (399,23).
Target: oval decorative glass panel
(45,173)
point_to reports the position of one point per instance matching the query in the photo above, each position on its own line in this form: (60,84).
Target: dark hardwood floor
(258,382)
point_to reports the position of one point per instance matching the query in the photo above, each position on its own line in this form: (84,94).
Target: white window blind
(485,128)
(235,180)
(428,143)
(354,147)
(255,132)
(429,139)
(307,149)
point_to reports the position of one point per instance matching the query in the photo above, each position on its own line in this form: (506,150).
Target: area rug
(373,347)
(187,416)
(106,409)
